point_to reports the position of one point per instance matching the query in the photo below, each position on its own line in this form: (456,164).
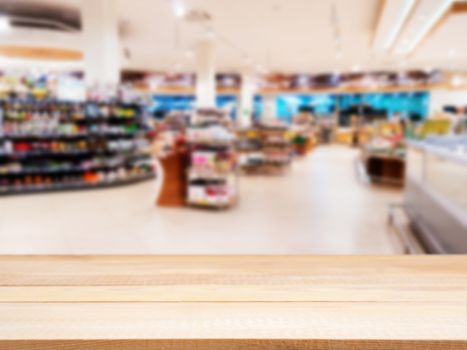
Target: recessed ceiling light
(399,23)
(356,68)
(429,22)
(452,52)
(457,80)
(5,24)
(178,8)
(210,34)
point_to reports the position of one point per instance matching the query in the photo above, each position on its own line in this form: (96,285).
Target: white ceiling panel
(280,35)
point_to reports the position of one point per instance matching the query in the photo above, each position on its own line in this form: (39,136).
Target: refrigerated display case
(436,193)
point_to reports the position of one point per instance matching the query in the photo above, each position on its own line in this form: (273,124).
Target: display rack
(171,150)
(212,173)
(49,145)
(303,134)
(383,156)
(250,150)
(265,149)
(384,168)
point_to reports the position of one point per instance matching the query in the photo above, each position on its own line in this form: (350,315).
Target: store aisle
(319,208)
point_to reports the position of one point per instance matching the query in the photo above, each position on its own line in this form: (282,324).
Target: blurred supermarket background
(213,127)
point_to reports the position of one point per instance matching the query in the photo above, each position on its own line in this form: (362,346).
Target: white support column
(101,44)
(205,74)
(270,108)
(247,92)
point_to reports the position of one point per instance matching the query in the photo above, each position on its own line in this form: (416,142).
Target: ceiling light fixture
(178,8)
(356,68)
(210,34)
(5,24)
(457,80)
(408,5)
(443,6)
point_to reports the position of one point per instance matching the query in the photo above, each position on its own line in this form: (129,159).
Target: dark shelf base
(76,187)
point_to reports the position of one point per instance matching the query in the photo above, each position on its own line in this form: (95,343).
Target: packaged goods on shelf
(212,179)
(303,134)
(383,156)
(53,145)
(264,149)
(212,192)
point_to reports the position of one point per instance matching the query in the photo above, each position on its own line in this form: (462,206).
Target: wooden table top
(233,302)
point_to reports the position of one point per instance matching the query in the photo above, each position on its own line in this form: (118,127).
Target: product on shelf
(383,156)
(51,145)
(49,118)
(265,149)
(303,133)
(212,179)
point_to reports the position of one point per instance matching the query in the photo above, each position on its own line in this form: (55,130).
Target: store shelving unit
(212,173)
(304,134)
(276,148)
(384,168)
(265,149)
(172,154)
(250,150)
(49,145)
(383,156)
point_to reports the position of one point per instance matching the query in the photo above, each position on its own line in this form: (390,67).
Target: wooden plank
(427,278)
(232,344)
(230,293)
(233,302)
(130,270)
(331,320)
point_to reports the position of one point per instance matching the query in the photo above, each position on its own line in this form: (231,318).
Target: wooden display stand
(386,169)
(233,302)
(173,191)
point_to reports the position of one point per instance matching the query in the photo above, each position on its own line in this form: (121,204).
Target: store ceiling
(275,35)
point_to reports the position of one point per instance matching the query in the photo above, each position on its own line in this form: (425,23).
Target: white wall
(441,98)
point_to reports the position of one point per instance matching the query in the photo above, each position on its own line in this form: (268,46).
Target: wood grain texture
(233,302)
(231,344)
(40,53)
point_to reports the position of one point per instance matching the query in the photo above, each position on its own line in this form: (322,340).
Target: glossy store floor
(320,207)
